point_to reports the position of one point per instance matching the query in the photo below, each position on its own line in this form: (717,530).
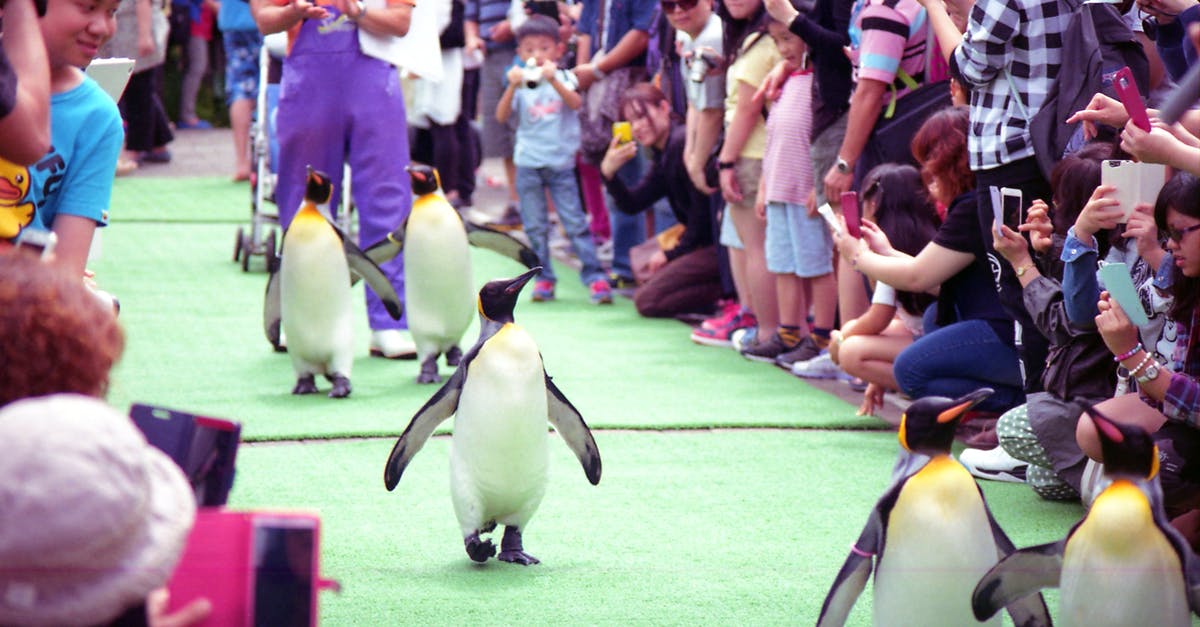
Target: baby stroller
(262,239)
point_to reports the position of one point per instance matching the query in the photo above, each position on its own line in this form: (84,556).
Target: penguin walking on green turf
(439,292)
(309,296)
(501,398)
(1123,564)
(929,536)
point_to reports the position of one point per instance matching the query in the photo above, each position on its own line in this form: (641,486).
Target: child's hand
(1114,326)
(514,75)
(309,11)
(1101,109)
(1038,226)
(730,190)
(548,69)
(1100,212)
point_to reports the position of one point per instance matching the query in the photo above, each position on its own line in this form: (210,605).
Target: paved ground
(210,153)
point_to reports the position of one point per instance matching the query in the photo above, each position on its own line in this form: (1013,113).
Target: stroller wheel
(271,253)
(239,244)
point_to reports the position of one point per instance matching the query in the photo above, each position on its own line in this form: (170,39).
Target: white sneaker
(742,338)
(819,367)
(393,344)
(994,464)
(1092,482)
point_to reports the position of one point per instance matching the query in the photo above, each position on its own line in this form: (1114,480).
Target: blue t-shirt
(235,16)
(547,129)
(76,176)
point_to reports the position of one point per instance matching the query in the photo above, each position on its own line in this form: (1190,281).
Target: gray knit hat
(92,518)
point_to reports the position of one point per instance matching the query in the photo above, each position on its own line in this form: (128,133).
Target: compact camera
(700,62)
(532,74)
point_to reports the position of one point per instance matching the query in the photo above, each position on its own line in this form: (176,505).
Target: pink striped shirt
(787,169)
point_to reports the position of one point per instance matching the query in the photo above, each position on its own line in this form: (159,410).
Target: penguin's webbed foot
(305,385)
(341,386)
(429,370)
(512,550)
(453,356)
(479,550)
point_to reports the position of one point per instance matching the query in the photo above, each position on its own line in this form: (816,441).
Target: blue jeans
(960,358)
(627,231)
(532,184)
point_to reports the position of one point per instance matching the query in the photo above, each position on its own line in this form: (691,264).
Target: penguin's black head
(425,179)
(1128,449)
(498,298)
(928,425)
(318,188)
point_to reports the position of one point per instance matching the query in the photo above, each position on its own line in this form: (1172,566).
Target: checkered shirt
(1023,40)
(1182,400)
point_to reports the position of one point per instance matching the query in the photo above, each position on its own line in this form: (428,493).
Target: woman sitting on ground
(685,278)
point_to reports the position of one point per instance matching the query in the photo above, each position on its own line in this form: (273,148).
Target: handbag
(602,107)
(640,254)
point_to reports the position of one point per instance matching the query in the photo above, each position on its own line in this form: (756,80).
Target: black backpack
(1095,45)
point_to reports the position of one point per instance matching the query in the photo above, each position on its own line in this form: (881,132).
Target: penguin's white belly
(938,545)
(1119,569)
(498,459)
(438,292)
(315,300)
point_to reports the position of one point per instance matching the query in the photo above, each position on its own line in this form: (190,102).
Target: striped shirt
(488,13)
(1011,47)
(787,168)
(887,36)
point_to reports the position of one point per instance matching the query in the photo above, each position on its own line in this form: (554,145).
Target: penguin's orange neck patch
(308,211)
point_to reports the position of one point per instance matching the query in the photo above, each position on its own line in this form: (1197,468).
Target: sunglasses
(669,6)
(1176,235)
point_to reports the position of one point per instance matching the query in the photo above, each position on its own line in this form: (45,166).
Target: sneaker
(995,464)
(725,316)
(741,339)
(543,291)
(618,282)
(393,344)
(819,367)
(804,351)
(601,292)
(720,336)
(765,351)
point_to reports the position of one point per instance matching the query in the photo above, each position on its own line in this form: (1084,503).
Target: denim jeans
(959,358)
(532,184)
(627,231)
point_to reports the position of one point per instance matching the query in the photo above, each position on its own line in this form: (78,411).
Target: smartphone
(39,242)
(1135,183)
(826,212)
(259,568)
(1012,204)
(1120,288)
(997,211)
(204,448)
(1127,90)
(850,213)
(549,8)
(623,132)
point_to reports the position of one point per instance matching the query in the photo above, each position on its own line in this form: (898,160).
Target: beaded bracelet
(1129,353)
(1133,372)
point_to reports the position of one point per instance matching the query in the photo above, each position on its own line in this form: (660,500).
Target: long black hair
(1181,193)
(904,211)
(1073,180)
(734,32)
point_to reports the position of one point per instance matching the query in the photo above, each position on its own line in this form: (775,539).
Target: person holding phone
(969,343)
(1167,403)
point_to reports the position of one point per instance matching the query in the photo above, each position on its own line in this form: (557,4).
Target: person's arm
(746,115)
(928,270)
(26,128)
(873,322)
(144,13)
(631,44)
(1161,145)
(74,241)
(504,107)
(1079,284)
(704,127)
(947,32)
(983,52)
(806,28)
(272,17)
(392,19)
(643,195)
(865,106)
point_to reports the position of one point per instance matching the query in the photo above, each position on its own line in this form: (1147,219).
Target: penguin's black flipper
(574,431)
(439,407)
(389,247)
(856,570)
(1014,580)
(370,272)
(272,306)
(1029,609)
(486,237)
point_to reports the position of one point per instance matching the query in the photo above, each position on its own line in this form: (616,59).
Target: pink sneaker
(724,315)
(601,292)
(721,336)
(543,291)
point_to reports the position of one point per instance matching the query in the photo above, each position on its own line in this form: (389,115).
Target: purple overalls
(337,104)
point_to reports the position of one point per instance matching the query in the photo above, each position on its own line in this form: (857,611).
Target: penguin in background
(309,295)
(930,534)
(439,292)
(1123,564)
(501,398)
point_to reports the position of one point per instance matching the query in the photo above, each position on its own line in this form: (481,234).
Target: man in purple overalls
(340,101)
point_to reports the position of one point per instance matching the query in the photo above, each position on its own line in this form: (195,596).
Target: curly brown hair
(55,334)
(940,146)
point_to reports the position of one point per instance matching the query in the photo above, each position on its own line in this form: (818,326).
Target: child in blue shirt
(546,106)
(67,191)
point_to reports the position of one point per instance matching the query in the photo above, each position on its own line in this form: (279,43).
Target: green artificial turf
(193,322)
(208,199)
(743,527)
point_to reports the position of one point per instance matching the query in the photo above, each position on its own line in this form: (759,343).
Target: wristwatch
(362,10)
(1149,374)
(1023,269)
(598,73)
(842,166)
(726,165)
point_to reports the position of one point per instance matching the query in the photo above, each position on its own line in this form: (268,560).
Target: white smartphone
(1013,204)
(997,211)
(1135,183)
(111,74)
(826,212)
